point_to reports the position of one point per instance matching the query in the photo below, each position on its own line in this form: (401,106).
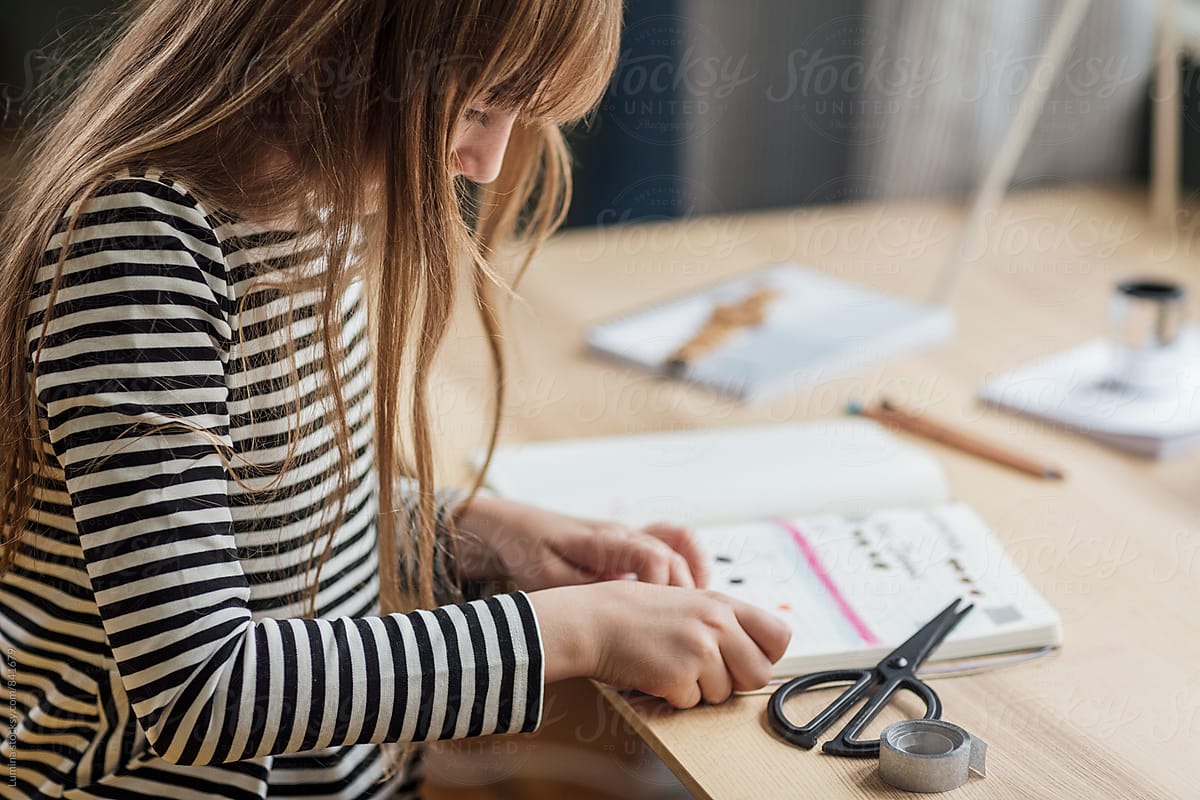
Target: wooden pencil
(723,322)
(890,414)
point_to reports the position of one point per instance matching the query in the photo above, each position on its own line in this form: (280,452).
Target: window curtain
(966,64)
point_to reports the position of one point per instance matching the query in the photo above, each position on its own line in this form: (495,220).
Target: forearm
(292,685)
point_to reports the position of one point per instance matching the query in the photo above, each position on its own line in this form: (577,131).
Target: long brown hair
(357,101)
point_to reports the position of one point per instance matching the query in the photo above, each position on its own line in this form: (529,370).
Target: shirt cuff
(529,675)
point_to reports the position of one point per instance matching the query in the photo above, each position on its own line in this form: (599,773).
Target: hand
(539,549)
(684,645)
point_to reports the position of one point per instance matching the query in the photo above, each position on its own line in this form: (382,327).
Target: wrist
(570,632)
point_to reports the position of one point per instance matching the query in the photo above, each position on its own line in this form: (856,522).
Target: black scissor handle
(806,735)
(847,743)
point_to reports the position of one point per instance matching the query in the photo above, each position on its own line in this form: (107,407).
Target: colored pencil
(889,413)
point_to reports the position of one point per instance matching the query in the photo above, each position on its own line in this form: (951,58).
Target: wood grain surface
(1115,548)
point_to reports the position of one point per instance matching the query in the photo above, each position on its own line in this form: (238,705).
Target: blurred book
(1074,390)
(818,328)
(844,531)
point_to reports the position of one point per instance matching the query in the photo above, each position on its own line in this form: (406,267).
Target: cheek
(479,157)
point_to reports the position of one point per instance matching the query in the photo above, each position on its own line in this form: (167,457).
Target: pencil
(722,323)
(890,414)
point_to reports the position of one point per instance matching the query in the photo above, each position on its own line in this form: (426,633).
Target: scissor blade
(923,642)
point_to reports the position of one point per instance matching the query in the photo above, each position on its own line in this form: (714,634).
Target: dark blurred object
(706,112)
(1189,90)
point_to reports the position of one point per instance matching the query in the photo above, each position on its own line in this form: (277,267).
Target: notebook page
(722,475)
(852,588)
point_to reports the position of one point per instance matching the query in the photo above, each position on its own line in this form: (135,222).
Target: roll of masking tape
(928,755)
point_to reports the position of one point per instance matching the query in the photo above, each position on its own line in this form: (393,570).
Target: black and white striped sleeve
(139,339)
(449,586)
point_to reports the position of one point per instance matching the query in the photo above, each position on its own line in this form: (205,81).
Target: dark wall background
(683,144)
(632,161)
(608,158)
(680,130)
(30,32)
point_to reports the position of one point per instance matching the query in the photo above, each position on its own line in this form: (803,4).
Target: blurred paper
(1074,390)
(721,475)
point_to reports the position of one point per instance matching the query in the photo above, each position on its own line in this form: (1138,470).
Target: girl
(229,257)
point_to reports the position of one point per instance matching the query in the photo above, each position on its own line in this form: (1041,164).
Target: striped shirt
(153,630)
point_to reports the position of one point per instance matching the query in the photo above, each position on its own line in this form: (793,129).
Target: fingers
(726,659)
(715,683)
(681,573)
(649,559)
(706,645)
(557,572)
(737,661)
(770,633)
(706,680)
(613,551)
(653,556)
(683,542)
(749,668)
(684,696)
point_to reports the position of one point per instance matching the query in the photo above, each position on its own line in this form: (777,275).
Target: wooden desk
(1116,548)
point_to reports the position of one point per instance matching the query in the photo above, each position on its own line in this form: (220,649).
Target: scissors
(896,671)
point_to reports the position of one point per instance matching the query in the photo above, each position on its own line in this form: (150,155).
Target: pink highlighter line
(810,555)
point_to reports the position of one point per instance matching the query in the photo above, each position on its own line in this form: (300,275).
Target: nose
(479,147)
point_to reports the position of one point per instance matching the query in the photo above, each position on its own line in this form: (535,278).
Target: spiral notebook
(819,328)
(847,533)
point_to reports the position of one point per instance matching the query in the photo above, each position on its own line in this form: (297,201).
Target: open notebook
(838,527)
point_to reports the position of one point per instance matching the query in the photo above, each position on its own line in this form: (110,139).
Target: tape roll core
(928,755)
(925,743)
